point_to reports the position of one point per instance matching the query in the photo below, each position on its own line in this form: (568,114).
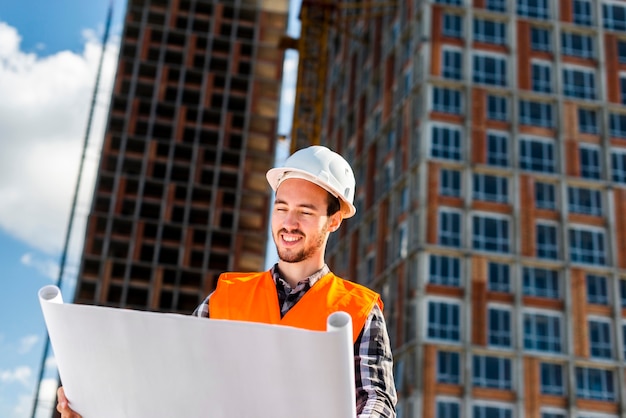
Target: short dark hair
(334,205)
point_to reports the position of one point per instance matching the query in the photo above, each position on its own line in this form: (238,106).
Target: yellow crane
(318,18)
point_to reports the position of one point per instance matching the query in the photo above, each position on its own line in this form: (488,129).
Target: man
(314,193)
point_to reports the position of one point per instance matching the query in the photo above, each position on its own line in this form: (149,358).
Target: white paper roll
(341,322)
(50,293)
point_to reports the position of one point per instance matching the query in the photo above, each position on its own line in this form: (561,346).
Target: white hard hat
(323,167)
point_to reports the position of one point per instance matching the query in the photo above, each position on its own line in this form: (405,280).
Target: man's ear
(335,221)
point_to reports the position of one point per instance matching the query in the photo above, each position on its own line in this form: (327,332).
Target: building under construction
(488,139)
(181,194)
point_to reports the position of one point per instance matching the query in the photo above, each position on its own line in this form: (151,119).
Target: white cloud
(27,343)
(47,397)
(46,266)
(43,117)
(51,363)
(45,405)
(20,374)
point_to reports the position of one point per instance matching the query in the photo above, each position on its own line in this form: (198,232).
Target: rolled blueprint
(50,293)
(341,323)
(132,364)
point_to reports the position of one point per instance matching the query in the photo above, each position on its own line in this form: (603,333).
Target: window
(446,100)
(496,5)
(542,332)
(588,121)
(624,338)
(587,246)
(489,69)
(595,384)
(621,51)
(579,83)
(445,142)
(450,183)
(545,197)
(449,367)
(491,411)
(597,291)
(491,188)
(370,262)
(449,228)
(537,9)
(489,31)
(536,113)
(622,289)
(617,124)
(497,149)
(444,322)
(453,2)
(541,282)
(552,381)
(585,201)
(448,409)
(618,165)
(490,234)
(541,77)
(444,270)
(499,277)
(552,414)
(590,166)
(537,155)
(452,25)
(497,108)
(583,13)
(499,327)
(577,45)
(540,39)
(492,372)
(614,16)
(404,199)
(547,245)
(452,64)
(600,342)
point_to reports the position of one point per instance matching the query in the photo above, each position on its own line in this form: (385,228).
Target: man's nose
(291,218)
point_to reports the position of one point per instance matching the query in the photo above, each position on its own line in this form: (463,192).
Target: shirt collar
(311,280)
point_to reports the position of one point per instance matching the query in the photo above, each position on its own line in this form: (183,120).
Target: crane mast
(318,19)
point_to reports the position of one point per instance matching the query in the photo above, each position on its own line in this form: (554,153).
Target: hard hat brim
(276,176)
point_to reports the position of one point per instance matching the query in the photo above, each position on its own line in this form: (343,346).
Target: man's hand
(63,405)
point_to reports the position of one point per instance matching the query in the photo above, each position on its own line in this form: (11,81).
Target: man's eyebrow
(301,205)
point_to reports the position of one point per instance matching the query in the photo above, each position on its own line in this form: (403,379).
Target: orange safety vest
(252,297)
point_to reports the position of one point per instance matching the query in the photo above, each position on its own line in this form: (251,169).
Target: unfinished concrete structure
(181,194)
(489,143)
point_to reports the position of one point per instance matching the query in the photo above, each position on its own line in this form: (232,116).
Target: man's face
(300,225)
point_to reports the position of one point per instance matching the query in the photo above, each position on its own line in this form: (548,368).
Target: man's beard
(296,257)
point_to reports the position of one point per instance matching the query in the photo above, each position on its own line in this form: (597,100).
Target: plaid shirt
(373,361)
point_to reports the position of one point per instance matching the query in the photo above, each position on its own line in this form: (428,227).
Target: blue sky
(49,52)
(48,59)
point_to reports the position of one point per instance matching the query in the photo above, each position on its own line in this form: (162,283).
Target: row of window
(541,282)
(491,69)
(587,245)
(542,330)
(451,408)
(495,32)
(495,188)
(613,13)
(532,112)
(495,372)
(536,154)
